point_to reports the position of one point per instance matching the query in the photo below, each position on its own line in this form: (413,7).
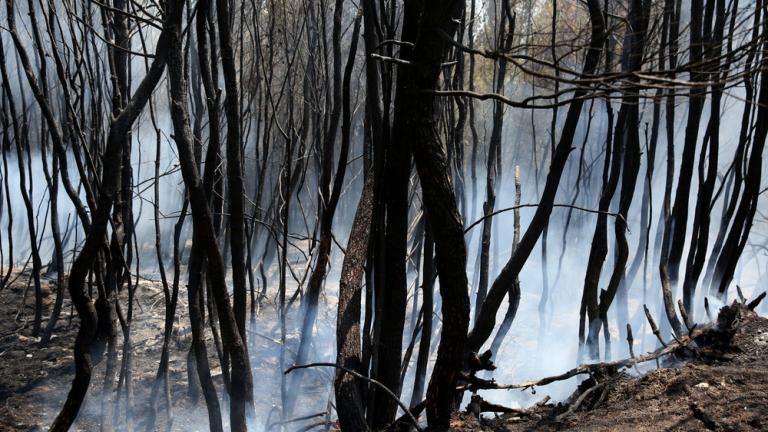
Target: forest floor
(724,392)
(34,380)
(727,391)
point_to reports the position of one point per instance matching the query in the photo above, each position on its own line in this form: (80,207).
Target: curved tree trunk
(487,317)
(204,236)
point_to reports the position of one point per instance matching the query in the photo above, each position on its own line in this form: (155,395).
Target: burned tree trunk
(205,237)
(679,216)
(427,306)
(487,317)
(393,292)
(438,22)
(673,10)
(697,251)
(349,399)
(506,33)
(96,234)
(626,159)
(738,158)
(745,213)
(514,290)
(234,170)
(332,192)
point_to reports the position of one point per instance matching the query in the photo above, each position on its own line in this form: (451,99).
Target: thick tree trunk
(234,171)
(439,20)
(349,398)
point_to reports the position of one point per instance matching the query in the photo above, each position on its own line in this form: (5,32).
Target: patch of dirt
(727,389)
(35,379)
(724,390)
(28,369)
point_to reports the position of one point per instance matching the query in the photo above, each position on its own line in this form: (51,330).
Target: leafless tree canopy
(416,181)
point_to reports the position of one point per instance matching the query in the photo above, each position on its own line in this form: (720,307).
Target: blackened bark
(506,30)
(57,136)
(204,233)
(745,213)
(697,251)
(96,235)
(679,222)
(417,114)
(391,321)
(626,158)
(349,399)
(673,9)
(738,158)
(487,317)
(58,257)
(234,172)
(427,306)
(514,290)
(17,138)
(330,197)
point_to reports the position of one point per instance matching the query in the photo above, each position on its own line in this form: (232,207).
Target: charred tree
(487,317)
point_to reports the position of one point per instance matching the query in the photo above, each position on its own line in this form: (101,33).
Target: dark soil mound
(720,383)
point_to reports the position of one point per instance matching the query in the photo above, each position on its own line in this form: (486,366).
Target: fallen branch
(362,377)
(605,368)
(727,321)
(580,400)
